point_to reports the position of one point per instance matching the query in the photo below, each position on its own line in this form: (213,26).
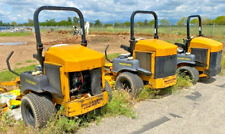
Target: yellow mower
(199,56)
(71,76)
(149,62)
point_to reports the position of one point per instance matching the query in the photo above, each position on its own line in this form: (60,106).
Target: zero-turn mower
(198,56)
(150,61)
(71,76)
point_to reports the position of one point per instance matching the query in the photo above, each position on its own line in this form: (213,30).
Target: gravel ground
(198,110)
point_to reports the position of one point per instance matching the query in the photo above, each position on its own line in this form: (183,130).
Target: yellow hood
(161,48)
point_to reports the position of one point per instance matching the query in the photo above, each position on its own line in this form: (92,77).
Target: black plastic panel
(96,75)
(53,74)
(33,83)
(200,55)
(144,60)
(165,66)
(215,63)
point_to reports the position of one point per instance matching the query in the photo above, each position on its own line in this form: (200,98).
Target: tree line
(220,20)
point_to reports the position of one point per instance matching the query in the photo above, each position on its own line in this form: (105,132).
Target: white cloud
(111,10)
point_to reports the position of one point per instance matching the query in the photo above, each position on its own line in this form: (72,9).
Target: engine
(80,82)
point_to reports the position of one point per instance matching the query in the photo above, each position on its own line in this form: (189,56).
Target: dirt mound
(70,40)
(64,31)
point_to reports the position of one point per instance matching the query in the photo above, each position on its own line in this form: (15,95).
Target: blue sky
(111,10)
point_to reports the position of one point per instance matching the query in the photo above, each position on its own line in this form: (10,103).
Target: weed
(121,104)
(223,64)
(147,93)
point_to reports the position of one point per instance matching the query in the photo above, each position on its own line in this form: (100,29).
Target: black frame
(37,29)
(132,38)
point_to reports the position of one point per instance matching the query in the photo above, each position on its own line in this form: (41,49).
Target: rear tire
(129,81)
(37,109)
(192,72)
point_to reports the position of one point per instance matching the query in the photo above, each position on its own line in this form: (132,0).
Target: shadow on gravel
(221,86)
(152,125)
(193,96)
(207,81)
(175,115)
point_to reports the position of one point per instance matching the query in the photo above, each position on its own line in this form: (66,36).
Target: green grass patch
(17,64)
(8,76)
(29,61)
(15,33)
(112,56)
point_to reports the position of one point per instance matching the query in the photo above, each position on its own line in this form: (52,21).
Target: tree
(69,19)
(127,24)
(152,22)
(146,22)
(140,23)
(182,21)
(91,24)
(220,20)
(64,23)
(194,21)
(13,23)
(98,23)
(206,21)
(117,24)
(164,22)
(29,23)
(75,20)
(108,24)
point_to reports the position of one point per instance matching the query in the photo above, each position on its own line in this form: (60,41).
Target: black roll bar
(188,25)
(132,38)
(37,29)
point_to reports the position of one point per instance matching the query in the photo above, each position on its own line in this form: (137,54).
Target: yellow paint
(182,58)
(202,42)
(125,64)
(160,83)
(75,57)
(203,75)
(2,90)
(110,79)
(108,64)
(10,83)
(205,43)
(161,48)
(84,105)
(30,82)
(156,48)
